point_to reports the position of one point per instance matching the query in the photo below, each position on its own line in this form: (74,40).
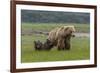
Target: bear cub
(47,45)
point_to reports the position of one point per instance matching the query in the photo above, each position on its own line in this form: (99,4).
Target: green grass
(50,26)
(80,48)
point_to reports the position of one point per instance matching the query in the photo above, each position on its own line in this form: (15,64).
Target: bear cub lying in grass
(43,46)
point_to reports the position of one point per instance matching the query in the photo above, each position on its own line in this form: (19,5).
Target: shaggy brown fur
(60,37)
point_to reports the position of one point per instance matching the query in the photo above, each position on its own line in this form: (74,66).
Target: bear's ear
(62,27)
(66,28)
(73,29)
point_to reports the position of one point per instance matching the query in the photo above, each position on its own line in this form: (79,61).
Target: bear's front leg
(60,44)
(67,45)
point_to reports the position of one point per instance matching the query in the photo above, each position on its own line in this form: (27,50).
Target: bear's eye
(70,31)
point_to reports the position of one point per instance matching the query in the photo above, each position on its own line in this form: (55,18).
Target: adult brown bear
(61,36)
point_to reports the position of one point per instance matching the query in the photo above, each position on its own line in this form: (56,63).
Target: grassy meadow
(80,46)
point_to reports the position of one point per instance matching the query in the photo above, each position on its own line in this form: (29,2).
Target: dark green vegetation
(37,16)
(80,48)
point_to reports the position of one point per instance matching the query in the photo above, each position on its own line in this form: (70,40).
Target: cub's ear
(38,41)
(47,40)
(34,42)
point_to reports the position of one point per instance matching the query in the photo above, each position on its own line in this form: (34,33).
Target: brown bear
(47,45)
(61,36)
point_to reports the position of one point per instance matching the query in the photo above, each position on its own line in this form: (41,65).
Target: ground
(80,48)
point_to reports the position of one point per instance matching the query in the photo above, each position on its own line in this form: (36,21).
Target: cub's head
(37,45)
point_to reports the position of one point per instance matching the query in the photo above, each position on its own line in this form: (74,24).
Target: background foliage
(37,16)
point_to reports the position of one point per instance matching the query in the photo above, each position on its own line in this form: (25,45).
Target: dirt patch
(82,34)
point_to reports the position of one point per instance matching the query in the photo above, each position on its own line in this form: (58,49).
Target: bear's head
(69,31)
